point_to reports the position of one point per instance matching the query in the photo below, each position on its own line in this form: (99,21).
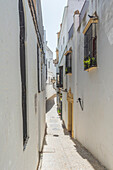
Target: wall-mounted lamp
(80,102)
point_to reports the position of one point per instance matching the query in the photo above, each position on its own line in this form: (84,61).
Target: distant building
(51,73)
(22,84)
(50,66)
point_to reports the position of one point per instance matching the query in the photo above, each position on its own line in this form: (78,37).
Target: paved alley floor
(60,152)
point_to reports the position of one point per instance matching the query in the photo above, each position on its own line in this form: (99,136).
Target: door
(70,118)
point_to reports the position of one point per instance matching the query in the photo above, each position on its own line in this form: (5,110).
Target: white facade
(13,155)
(94,123)
(50,66)
(51,73)
(92,126)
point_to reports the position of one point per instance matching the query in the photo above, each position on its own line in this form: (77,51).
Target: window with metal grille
(68,67)
(90,47)
(38,69)
(57,80)
(49,64)
(61,76)
(23,68)
(70,33)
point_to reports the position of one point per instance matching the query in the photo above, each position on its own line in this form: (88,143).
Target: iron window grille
(38,69)
(83,11)
(90,47)
(23,69)
(68,67)
(70,33)
(57,79)
(61,76)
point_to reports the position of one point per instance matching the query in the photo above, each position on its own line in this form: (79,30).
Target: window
(38,69)
(70,33)
(48,64)
(61,76)
(23,69)
(90,47)
(68,68)
(57,80)
(42,72)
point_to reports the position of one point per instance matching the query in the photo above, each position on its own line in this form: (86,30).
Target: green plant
(59,111)
(87,63)
(93,61)
(66,70)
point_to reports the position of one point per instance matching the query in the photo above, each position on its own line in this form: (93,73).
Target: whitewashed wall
(51,72)
(95,123)
(12,155)
(69,81)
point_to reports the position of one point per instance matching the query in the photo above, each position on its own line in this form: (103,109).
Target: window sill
(70,74)
(91,68)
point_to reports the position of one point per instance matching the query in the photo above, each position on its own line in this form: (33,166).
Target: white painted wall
(12,155)
(68,81)
(51,70)
(94,124)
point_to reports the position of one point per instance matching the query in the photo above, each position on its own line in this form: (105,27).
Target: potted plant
(87,63)
(93,60)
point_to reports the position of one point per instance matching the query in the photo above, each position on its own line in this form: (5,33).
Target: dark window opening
(23,68)
(70,33)
(38,69)
(61,76)
(68,68)
(57,80)
(48,64)
(90,47)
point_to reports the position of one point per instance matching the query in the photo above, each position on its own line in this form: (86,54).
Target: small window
(90,47)
(38,69)
(68,68)
(61,76)
(48,64)
(70,33)
(57,80)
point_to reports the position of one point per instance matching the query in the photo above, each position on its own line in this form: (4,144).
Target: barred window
(68,67)
(61,76)
(90,47)
(38,69)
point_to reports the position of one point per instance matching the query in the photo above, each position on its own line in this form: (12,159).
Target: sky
(52,11)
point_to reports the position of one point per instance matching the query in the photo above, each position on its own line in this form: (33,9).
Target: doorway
(70,113)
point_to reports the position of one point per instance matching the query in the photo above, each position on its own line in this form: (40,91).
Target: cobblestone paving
(60,152)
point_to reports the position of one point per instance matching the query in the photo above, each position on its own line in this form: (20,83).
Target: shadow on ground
(83,152)
(50,103)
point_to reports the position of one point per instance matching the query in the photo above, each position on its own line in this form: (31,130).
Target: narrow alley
(60,151)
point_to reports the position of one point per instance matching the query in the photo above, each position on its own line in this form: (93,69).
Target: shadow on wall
(50,103)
